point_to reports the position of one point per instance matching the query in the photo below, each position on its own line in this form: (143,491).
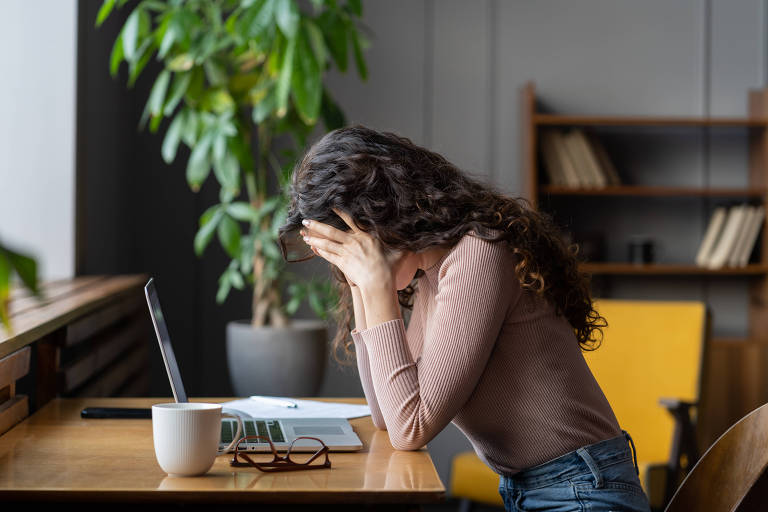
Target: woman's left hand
(357,254)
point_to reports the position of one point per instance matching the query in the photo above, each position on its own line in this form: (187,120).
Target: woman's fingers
(347,219)
(323,243)
(324,230)
(329,256)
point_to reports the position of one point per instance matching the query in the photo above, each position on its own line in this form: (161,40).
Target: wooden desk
(54,455)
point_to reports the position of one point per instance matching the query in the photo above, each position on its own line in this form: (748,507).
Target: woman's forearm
(357,303)
(380,303)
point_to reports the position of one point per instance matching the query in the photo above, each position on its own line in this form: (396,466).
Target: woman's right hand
(314,250)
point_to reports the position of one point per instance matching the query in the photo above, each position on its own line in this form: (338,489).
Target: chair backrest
(727,471)
(650,350)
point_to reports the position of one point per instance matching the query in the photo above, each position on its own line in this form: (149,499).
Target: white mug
(187,436)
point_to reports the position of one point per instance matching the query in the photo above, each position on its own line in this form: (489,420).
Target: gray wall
(447,74)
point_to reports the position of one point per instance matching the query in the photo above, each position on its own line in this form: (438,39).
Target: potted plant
(238,76)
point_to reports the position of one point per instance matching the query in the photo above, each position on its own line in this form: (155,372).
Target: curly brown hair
(412,199)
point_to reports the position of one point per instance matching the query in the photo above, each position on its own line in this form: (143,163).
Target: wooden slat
(12,412)
(670,269)
(579,120)
(654,191)
(104,352)
(38,322)
(22,300)
(117,376)
(88,326)
(14,366)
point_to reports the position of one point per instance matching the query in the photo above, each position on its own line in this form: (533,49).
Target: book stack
(731,236)
(575,159)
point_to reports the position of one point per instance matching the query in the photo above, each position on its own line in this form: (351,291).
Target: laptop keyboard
(266,428)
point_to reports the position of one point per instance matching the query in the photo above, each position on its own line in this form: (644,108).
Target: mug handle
(232,413)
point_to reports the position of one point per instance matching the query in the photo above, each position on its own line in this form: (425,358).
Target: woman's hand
(356,253)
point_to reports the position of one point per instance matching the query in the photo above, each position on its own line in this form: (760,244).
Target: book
(574,153)
(604,161)
(570,173)
(727,239)
(741,239)
(552,165)
(714,229)
(590,158)
(754,233)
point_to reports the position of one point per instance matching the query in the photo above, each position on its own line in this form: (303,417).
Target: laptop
(336,433)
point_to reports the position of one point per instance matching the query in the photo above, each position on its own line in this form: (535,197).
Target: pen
(267,400)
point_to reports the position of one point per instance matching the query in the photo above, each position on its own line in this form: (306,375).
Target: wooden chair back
(729,469)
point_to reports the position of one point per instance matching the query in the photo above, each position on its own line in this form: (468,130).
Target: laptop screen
(161,329)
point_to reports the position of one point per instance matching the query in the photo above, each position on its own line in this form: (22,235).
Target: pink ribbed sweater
(484,354)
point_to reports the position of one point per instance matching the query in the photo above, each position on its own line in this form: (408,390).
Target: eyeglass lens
(293,246)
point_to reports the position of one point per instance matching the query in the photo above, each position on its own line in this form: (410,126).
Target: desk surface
(56,455)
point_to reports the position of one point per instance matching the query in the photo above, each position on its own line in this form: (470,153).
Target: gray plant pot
(277,361)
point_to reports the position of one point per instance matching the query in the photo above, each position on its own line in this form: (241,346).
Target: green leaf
(265,107)
(316,303)
(131,34)
(333,117)
(157,95)
(258,17)
(116,56)
(208,227)
(190,127)
(26,268)
(355,7)
(236,279)
(287,17)
(183,62)
(137,66)
(172,138)
(306,82)
(169,37)
(283,82)
(224,287)
(315,36)
(242,211)
(178,88)
(215,72)
(293,305)
(335,31)
(104,11)
(227,171)
(357,50)
(229,235)
(199,164)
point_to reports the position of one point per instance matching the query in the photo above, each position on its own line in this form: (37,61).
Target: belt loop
(584,454)
(634,450)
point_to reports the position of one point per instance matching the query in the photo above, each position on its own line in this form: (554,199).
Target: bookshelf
(735,378)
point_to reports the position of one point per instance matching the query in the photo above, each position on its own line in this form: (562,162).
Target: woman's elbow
(379,424)
(406,443)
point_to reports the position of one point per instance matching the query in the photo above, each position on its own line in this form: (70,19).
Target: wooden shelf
(578,120)
(653,191)
(670,269)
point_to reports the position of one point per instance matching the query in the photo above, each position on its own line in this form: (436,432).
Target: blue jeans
(599,477)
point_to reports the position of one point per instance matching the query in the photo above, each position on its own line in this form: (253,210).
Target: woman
(500,314)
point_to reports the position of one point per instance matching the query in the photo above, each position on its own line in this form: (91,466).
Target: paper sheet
(305,409)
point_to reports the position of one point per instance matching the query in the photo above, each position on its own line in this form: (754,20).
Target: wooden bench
(85,337)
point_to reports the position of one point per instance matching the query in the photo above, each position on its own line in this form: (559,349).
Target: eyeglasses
(304,455)
(293,247)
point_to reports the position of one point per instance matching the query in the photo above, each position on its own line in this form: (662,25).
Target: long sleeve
(364,369)
(474,289)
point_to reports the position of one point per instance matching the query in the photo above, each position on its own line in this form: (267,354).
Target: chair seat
(472,479)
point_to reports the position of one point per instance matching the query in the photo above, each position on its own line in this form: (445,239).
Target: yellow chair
(651,351)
